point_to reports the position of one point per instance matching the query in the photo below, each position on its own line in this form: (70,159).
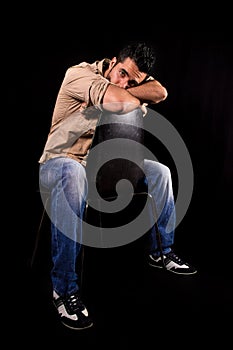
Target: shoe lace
(74,303)
(171,255)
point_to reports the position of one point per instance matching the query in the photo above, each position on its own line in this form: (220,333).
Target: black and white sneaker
(72,311)
(172,263)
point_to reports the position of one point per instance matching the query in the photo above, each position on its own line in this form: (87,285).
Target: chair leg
(157,232)
(81,269)
(38,235)
(82,252)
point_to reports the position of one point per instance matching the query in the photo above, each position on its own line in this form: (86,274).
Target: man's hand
(151,91)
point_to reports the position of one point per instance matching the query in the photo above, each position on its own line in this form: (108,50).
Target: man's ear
(112,62)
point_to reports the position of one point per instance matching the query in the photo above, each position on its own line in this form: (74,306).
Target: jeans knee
(165,172)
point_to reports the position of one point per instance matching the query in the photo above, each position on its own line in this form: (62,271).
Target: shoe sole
(77,329)
(169,270)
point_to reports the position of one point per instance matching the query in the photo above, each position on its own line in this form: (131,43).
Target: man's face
(124,74)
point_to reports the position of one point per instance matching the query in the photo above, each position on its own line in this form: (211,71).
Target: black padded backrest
(122,155)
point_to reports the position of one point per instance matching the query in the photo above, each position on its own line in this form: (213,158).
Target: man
(120,85)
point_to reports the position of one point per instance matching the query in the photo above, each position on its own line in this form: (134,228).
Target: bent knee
(153,167)
(164,170)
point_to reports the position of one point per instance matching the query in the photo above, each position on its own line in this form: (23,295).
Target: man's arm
(150,91)
(119,100)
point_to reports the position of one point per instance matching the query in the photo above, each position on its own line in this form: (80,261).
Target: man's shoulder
(81,65)
(83,69)
(95,66)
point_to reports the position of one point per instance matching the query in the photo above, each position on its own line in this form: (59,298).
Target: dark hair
(142,53)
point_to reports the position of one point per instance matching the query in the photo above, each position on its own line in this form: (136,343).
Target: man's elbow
(164,94)
(161,95)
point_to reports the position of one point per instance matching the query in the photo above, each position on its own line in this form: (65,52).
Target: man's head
(132,65)
(141,53)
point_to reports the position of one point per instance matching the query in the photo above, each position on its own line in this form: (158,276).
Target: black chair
(116,155)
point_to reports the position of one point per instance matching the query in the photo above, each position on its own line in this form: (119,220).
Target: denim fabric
(66,181)
(159,182)
(65,177)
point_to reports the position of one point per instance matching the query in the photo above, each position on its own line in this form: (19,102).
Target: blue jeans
(66,181)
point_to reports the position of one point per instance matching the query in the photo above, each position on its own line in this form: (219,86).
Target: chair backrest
(119,153)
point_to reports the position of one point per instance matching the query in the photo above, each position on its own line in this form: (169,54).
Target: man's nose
(124,84)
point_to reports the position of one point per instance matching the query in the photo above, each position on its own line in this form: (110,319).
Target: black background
(195,64)
(196,69)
